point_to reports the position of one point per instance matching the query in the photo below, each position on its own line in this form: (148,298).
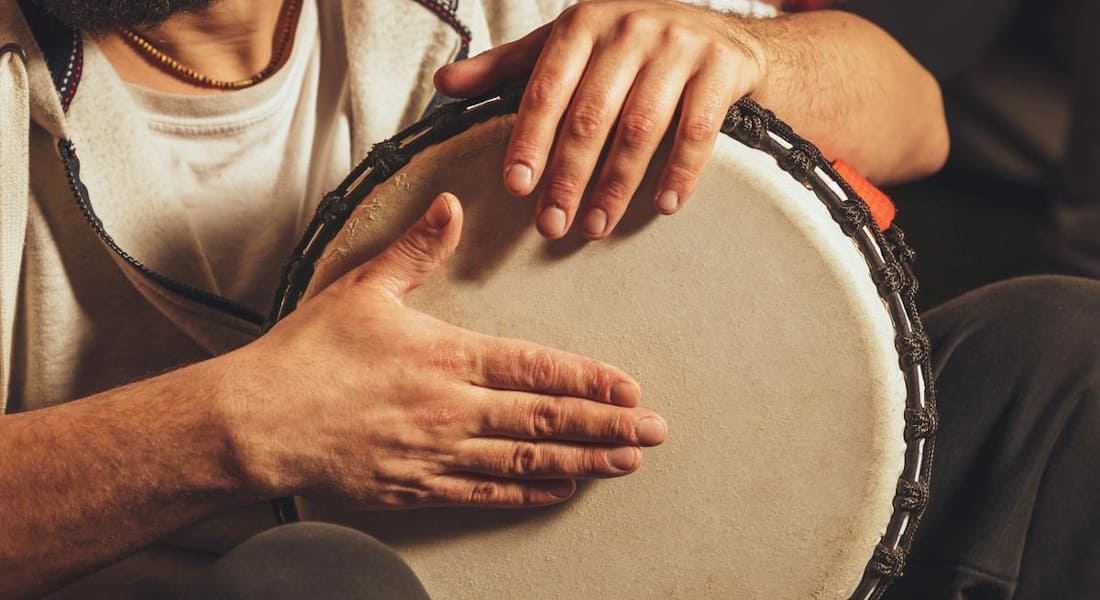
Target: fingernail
(562,489)
(668,201)
(625,393)
(517,178)
(624,459)
(439,213)
(651,430)
(552,222)
(594,222)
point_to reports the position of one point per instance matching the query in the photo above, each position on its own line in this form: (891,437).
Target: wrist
(243,416)
(759,39)
(750,34)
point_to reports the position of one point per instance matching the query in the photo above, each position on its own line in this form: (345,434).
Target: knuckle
(638,130)
(619,429)
(547,418)
(438,418)
(676,34)
(716,99)
(485,492)
(362,276)
(442,356)
(524,148)
(447,495)
(586,120)
(682,173)
(614,189)
(636,23)
(412,251)
(723,54)
(454,357)
(699,130)
(357,294)
(568,17)
(595,461)
(543,91)
(414,244)
(525,459)
(564,186)
(542,369)
(575,16)
(597,379)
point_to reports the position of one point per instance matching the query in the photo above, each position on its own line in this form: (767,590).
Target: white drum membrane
(753,325)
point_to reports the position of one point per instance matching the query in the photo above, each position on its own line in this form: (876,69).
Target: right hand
(359,398)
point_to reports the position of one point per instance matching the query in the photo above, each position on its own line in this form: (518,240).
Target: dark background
(1005,71)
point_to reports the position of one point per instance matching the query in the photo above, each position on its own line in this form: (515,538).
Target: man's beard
(109,15)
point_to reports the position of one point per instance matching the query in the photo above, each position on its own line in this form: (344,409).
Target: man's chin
(109,15)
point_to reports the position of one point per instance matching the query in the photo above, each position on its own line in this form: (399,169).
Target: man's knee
(310,560)
(1017,356)
(1018,372)
(1042,322)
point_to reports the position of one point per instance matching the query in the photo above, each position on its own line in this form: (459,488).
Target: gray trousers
(1075,242)
(309,560)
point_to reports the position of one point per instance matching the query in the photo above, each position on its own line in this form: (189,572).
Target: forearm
(88,482)
(850,88)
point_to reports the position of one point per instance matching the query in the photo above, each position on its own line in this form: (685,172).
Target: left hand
(617,73)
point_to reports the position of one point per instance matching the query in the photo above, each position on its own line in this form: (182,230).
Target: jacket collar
(396,47)
(45,104)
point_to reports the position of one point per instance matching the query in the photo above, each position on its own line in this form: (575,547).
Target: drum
(770,321)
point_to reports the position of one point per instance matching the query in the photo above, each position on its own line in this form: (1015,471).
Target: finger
(469,490)
(492,68)
(553,81)
(529,460)
(584,133)
(706,99)
(409,261)
(562,418)
(646,117)
(525,366)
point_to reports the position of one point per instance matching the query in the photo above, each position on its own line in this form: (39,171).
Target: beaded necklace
(288,19)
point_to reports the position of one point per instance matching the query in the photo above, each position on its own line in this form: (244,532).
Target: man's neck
(231,40)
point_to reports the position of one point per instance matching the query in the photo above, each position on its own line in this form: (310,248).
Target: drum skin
(753,325)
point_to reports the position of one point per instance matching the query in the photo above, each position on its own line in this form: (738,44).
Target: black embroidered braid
(893,274)
(62,47)
(71,164)
(447,10)
(888,257)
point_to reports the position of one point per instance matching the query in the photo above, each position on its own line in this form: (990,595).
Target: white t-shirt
(251,166)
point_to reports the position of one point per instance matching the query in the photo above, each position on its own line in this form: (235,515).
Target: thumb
(492,68)
(420,251)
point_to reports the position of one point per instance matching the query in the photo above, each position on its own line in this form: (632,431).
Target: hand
(366,400)
(615,72)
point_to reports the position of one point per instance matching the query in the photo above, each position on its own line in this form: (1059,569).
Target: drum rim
(888,256)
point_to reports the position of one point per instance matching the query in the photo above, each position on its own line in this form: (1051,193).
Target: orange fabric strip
(882,208)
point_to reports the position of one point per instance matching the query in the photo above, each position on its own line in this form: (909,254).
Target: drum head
(753,323)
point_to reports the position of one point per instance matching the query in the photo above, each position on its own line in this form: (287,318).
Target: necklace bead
(288,20)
